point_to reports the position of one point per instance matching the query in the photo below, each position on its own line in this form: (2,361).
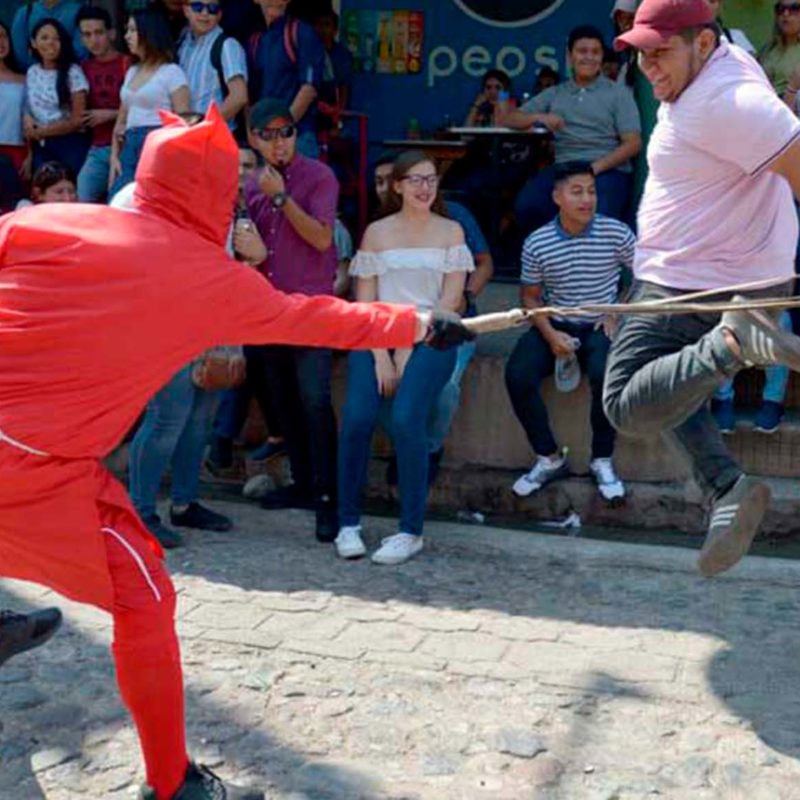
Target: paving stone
(303,625)
(43,760)
(227,615)
(381,636)
(464,646)
(21,698)
(519,742)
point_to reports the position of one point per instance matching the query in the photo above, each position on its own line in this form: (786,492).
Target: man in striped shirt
(575,259)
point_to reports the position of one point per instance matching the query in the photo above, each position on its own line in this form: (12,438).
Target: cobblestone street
(498,665)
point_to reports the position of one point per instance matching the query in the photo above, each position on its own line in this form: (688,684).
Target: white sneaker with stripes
(734,522)
(611,488)
(762,341)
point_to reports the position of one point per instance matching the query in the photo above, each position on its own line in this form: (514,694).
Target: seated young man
(575,259)
(595,120)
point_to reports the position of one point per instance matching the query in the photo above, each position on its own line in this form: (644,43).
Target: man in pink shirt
(717,211)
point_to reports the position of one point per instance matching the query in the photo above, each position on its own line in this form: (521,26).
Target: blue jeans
(777,377)
(174,431)
(534,205)
(93,177)
(425,375)
(231,413)
(130,155)
(444,410)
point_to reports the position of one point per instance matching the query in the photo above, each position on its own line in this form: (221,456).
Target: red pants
(69,524)
(147,656)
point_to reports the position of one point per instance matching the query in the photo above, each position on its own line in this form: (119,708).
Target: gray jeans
(661,371)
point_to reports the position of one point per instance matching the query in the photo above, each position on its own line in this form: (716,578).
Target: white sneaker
(543,471)
(397,549)
(348,542)
(608,483)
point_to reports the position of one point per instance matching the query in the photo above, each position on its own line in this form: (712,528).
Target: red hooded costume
(98,308)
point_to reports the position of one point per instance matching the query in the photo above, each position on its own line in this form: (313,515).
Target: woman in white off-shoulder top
(413,255)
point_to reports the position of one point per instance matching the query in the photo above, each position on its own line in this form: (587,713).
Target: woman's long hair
(403,164)
(152,29)
(10,60)
(66,58)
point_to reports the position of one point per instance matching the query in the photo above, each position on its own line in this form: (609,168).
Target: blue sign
(463,39)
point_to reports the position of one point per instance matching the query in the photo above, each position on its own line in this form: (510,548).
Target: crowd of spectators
(78,98)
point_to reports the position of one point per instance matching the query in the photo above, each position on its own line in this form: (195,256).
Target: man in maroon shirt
(105,70)
(292,201)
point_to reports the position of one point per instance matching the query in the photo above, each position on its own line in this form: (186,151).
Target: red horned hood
(189,175)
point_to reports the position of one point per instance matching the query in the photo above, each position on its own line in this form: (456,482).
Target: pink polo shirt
(712,214)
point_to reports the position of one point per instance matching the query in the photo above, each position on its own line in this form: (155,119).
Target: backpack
(216,63)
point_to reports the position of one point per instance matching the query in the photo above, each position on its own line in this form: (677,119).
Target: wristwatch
(279,200)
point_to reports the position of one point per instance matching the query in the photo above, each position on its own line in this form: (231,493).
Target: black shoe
(21,632)
(287,497)
(434,462)
(327,528)
(167,538)
(201,783)
(201,518)
(268,451)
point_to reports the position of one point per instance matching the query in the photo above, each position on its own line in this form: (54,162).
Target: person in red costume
(98,308)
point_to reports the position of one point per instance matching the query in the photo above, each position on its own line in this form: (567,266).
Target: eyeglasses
(271,134)
(787,8)
(212,8)
(418,181)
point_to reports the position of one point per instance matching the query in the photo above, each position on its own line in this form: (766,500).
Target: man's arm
(560,343)
(630,146)
(484,269)
(236,99)
(302,101)
(318,234)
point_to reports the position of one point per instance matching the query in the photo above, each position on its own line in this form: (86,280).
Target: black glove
(446,330)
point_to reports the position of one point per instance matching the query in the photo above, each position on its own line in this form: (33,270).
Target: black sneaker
(201,783)
(268,451)
(200,518)
(734,522)
(287,497)
(769,417)
(327,527)
(167,538)
(21,632)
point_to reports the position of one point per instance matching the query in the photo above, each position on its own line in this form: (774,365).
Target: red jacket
(99,307)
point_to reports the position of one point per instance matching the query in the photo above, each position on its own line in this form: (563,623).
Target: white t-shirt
(712,214)
(144,103)
(42,92)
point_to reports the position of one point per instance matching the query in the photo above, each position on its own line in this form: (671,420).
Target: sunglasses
(271,134)
(787,8)
(418,181)
(212,8)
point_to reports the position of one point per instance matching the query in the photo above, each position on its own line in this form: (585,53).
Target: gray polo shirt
(594,117)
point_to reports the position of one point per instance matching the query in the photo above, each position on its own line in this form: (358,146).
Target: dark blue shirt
(273,74)
(473,236)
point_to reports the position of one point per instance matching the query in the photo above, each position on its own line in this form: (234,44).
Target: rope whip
(679,304)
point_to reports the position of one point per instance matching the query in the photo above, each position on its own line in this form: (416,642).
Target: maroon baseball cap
(657,20)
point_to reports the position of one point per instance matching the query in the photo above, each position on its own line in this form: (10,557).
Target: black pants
(293,385)
(532,361)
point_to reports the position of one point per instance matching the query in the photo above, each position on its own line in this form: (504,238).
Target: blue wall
(458,48)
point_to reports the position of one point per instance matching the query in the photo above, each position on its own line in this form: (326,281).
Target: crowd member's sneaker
(201,783)
(327,521)
(268,451)
(200,518)
(761,339)
(769,417)
(544,470)
(735,518)
(21,632)
(724,414)
(289,496)
(168,538)
(611,488)
(349,543)
(397,549)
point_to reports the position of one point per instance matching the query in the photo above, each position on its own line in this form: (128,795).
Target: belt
(20,446)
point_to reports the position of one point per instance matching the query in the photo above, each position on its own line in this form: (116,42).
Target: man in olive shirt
(595,120)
